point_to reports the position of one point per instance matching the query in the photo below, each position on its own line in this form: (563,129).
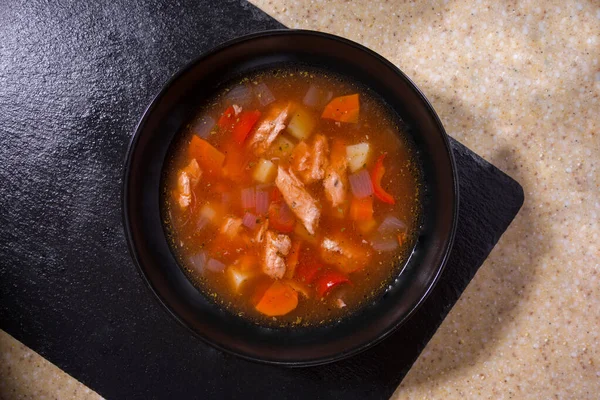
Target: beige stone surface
(519,83)
(26,375)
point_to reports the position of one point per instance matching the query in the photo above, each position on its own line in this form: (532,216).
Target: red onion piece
(262,202)
(248,198)
(240,95)
(215,265)
(312,96)
(265,96)
(198,262)
(202,222)
(361,185)
(249,220)
(203,127)
(391,225)
(384,243)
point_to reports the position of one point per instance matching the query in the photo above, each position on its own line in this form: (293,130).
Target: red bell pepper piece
(281,219)
(306,272)
(227,119)
(376,175)
(244,124)
(329,280)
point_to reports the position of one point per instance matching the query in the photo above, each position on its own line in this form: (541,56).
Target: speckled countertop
(518,83)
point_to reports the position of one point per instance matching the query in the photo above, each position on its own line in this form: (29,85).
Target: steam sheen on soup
(292,197)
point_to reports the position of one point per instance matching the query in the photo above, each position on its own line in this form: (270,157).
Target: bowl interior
(172,109)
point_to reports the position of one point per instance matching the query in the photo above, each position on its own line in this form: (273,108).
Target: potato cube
(265,171)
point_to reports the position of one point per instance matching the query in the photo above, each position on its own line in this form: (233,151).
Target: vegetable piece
(357,155)
(240,94)
(402,238)
(384,243)
(215,265)
(265,171)
(292,259)
(343,109)
(329,280)
(198,262)
(261,202)
(203,127)
(275,195)
(391,224)
(248,198)
(366,226)
(279,299)
(244,124)
(209,158)
(249,221)
(361,209)
(264,94)
(361,184)
(207,215)
(298,287)
(236,164)
(281,217)
(281,148)
(312,97)
(307,271)
(302,124)
(376,175)
(242,270)
(227,119)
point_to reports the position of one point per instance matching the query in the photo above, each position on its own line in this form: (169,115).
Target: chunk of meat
(260,234)
(276,248)
(336,178)
(298,199)
(187,180)
(231,227)
(269,129)
(310,162)
(345,255)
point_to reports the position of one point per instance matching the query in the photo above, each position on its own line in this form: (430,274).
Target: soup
(292,198)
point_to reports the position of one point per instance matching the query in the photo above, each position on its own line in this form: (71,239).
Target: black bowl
(170,111)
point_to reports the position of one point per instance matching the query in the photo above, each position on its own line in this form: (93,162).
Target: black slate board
(74,80)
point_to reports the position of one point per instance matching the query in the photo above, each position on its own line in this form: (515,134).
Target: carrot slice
(361,209)
(244,125)
(343,109)
(292,259)
(279,299)
(209,158)
(376,175)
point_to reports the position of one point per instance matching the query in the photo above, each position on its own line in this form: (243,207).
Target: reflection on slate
(73,82)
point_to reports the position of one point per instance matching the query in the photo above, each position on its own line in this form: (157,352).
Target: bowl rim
(216,49)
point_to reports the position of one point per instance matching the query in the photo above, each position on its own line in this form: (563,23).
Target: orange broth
(313,289)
